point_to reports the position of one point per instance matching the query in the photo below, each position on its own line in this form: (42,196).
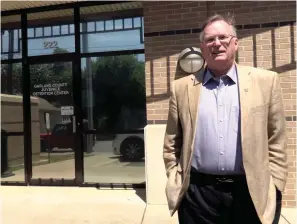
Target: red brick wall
(271,46)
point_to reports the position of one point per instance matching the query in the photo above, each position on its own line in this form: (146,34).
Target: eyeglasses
(224,39)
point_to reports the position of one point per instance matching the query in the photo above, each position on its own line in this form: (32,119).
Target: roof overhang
(53,10)
(18,5)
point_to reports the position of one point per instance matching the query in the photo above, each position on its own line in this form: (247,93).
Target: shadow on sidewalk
(141,193)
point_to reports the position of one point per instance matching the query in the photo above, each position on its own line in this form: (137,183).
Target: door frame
(75,59)
(78,150)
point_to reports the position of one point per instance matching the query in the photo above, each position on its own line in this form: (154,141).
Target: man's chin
(220,60)
(219,57)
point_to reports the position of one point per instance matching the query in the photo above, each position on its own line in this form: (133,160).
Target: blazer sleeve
(173,134)
(277,138)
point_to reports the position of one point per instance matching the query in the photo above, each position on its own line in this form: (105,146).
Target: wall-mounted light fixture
(191,60)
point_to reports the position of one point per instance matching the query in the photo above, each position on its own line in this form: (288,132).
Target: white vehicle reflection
(130,145)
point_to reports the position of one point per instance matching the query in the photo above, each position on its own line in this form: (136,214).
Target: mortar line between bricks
(285,219)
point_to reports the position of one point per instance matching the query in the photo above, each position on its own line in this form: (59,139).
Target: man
(225,141)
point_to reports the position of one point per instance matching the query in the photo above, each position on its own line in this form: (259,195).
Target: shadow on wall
(279,50)
(179,73)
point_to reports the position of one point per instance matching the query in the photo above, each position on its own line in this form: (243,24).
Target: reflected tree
(118,85)
(119,92)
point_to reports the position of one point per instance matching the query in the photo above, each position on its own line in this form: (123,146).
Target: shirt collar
(232,74)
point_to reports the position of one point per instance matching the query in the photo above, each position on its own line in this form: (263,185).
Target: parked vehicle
(62,137)
(129,145)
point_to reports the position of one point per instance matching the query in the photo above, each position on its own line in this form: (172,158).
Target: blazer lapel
(194,87)
(244,81)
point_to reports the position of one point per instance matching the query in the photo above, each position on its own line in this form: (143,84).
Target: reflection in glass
(114,106)
(53,141)
(100,26)
(10,37)
(5,41)
(56,30)
(109,25)
(47,31)
(10,44)
(51,45)
(118,24)
(64,29)
(12,121)
(55,36)
(137,22)
(38,32)
(91,26)
(30,32)
(128,23)
(111,41)
(71,28)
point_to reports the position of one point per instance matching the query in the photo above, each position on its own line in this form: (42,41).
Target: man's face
(219,46)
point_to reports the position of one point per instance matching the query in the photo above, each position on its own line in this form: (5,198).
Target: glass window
(118,24)
(109,25)
(16,41)
(64,29)
(128,23)
(112,41)
(38,32)
(56,34)
(30,32)
(51,45)
(47,31)
(100,26)
(11,76)
(71,28)
(118,144)
(5,41)
(12,121)
(91,26)
(137,22)
(11,37)
(56,30)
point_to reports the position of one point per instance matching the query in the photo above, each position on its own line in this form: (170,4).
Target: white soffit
(12,5)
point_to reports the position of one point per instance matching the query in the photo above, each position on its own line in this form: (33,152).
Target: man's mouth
(218,52)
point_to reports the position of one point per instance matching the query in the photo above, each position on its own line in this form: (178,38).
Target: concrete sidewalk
(74,205)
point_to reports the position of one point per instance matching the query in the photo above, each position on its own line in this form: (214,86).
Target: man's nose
(217,42)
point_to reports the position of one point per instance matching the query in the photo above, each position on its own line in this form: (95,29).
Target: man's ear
(201,47)
(236,44)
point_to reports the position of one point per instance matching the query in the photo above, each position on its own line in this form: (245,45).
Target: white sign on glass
(67,110)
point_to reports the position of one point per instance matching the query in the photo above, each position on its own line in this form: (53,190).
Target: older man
(225,141)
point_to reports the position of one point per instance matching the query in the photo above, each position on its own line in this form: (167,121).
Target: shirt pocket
(235,118)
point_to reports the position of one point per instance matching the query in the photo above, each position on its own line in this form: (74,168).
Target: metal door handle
(74,124)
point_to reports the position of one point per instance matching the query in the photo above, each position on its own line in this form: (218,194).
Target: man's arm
(277,139)
(173,134)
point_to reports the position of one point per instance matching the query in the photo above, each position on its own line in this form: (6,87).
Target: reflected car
(61,137)
(129,145)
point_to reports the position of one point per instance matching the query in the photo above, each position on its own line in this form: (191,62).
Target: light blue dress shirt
(217,146)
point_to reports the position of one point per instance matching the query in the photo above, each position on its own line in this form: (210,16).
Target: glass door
(53,121)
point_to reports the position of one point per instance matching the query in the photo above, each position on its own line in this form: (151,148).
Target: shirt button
(223,169)
(222,153)
(221,136)
(221,120)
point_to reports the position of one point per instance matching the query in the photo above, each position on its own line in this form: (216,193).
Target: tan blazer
(263,138)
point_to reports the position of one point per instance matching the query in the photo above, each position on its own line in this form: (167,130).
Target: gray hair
(228,19)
